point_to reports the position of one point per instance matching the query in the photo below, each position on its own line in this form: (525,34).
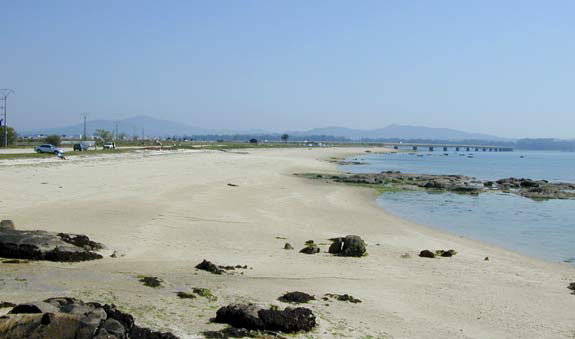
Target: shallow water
(544,229)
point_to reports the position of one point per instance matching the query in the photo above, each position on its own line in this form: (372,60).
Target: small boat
(522,156)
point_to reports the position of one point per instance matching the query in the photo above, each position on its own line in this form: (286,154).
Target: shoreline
(166,215)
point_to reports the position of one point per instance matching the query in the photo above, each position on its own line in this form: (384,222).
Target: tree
(53,140)
(12,136)
(103,135)
(122,136)
(285,137)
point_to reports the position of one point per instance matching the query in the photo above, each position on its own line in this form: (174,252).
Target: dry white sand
(166,213)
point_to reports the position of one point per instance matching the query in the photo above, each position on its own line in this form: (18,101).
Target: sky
(500,67)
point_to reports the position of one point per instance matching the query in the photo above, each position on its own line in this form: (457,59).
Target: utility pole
(142,134)
(4,93)
(85,115)
(116,131)
(134,137)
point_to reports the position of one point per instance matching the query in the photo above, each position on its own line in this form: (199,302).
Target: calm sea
(544,229)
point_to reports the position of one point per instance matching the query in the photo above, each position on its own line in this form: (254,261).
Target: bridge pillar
(456,149)
(395,147)
(415,148)
(430,149)
(444,149)
(467,149)
(476,149)
(484,149)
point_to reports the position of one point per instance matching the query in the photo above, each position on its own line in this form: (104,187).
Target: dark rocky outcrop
(390,180)
(210,267)
(233,332)
(151,281)
(240,315)
(572,287)
(7,225)
(310,249)
(250,316)
(426,254)
(296,297)
(350,246)
(342,297)
(217,269)
(69,318)
(445,253)
(288,246)
(42,245)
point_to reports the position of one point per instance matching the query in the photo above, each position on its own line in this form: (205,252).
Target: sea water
(544,229)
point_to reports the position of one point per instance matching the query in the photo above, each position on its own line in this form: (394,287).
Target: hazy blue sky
(500,67)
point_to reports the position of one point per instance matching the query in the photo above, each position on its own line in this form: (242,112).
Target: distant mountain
(164,128)
(150,126)
(400,132)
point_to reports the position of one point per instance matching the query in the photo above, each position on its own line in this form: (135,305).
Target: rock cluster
(537,189)
(572,287)
(438,253)
(69,318)
(348,246)
(252,317)
(342,297)
(533,189)
(42,245)
(217,269)
(296,297)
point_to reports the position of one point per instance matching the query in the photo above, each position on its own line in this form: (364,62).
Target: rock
(80,240)
(290,320)
(69,318)
(288,246)
(313,249)
(114,327)
(426,254)
(210,267)
(151,281)
(240,315)
(184,295)
(448,253)
(486,259)
(33,307)
(296,297)
(350,246)
(336,246)
(42,245)
(572,287)
(342,297)
(232,185)
(249,316)
(353,246)
(7,225)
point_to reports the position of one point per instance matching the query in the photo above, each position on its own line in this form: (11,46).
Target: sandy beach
(164,212)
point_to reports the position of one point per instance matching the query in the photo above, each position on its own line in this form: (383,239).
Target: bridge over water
(446,147)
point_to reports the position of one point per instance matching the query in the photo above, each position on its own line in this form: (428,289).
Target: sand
(164,212)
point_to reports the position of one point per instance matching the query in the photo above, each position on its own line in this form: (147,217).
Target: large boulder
(350,246)
(250,316)
(240,315)
(42,245)
(69,318)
